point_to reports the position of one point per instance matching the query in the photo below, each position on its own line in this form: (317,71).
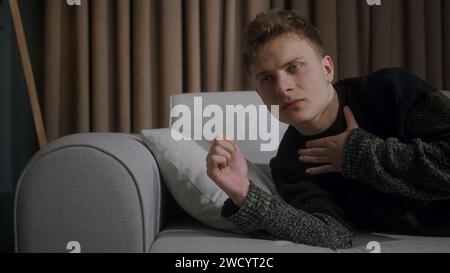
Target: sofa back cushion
(252,149)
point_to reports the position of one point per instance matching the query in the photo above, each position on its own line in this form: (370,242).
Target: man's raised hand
(227,167)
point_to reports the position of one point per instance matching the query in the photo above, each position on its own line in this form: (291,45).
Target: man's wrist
(239,198)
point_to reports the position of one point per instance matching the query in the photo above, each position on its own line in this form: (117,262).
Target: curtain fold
(143,114)
(112,65)
(123,63)
(192,50)
(52,69)
(170,52)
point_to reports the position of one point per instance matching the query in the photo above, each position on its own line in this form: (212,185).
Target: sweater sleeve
(418,168)
(263,215)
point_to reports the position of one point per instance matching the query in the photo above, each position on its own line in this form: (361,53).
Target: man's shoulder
(386,77)
(398,78)
(391,72)
(388,84)
(378,76)
(388,95)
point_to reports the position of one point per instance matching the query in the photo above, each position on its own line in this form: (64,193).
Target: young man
(370,152)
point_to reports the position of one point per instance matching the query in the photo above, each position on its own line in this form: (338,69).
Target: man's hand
(227,167)
(329,150)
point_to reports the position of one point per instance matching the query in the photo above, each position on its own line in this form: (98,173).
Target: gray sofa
(103,192)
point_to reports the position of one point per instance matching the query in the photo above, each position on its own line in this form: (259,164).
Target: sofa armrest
(95,192)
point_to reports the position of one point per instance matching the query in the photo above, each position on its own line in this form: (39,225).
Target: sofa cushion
(182,165)
(197,239)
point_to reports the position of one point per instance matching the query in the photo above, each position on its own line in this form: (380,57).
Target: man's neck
(324,120)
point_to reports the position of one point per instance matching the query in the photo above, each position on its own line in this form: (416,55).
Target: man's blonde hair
(273,23)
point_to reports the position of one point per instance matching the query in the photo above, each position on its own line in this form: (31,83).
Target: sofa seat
(196,238)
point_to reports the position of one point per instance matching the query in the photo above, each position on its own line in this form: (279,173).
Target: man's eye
(295,67)
(267,78)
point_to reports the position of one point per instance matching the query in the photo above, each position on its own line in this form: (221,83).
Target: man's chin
(297,121)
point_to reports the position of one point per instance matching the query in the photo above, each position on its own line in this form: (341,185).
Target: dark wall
(17,136)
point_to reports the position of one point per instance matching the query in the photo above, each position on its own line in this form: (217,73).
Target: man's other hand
(328,150)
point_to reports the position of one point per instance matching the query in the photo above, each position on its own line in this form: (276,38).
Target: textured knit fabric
(395,174)
(267,216)
(417,169)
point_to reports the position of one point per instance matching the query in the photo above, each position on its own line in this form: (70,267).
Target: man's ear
(328,67)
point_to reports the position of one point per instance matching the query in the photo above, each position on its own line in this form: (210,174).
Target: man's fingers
(350,119)
(314,159)
(225,137)
(318,143)
(321,170)
(312,152)
(219,150)
(225,144)
(218,161)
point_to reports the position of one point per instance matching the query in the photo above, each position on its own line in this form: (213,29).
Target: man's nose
(285,84)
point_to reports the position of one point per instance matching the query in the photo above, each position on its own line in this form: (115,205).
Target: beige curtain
(112,65)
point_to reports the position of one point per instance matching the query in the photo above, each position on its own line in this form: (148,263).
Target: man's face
(289,73)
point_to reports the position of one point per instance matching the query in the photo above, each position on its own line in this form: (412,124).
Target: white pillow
(182,165)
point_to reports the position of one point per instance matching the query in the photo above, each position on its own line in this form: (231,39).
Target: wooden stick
(28,71)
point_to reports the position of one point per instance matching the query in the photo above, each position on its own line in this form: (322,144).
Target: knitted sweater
(395,174)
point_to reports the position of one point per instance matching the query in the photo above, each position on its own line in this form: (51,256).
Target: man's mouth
(291,104)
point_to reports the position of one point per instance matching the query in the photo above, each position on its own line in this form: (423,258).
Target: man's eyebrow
(262,73)
(296,59)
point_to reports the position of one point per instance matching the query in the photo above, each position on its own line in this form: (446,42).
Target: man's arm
(305,214)
(267,216)
(418,169)
(259,213)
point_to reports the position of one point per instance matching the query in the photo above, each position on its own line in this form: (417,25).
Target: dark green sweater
(395,175)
